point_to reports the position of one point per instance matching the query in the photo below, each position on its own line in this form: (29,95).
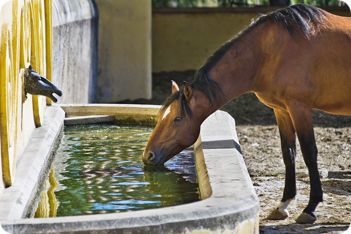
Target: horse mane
(300,17)
(296,18)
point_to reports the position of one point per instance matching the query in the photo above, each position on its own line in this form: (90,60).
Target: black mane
(297,18)
(300,18)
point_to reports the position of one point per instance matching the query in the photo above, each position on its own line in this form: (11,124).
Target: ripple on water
(135,202)
(132,183)
(99,170)
(111,207)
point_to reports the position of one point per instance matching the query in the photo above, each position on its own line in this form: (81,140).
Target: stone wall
(102,50)
(75,50)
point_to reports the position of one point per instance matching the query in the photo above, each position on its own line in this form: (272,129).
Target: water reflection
(47,206)
(99,170)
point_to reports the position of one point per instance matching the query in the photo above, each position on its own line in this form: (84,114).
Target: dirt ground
(259,139)
(261,148)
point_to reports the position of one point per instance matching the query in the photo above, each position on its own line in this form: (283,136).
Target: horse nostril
(151,156)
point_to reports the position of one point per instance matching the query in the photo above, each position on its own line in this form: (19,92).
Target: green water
(98,169)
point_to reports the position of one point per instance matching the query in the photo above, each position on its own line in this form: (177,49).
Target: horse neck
(236,71)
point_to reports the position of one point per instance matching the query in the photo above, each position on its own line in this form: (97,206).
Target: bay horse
(294,59)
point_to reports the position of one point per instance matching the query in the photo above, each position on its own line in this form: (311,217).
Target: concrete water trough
(228,202)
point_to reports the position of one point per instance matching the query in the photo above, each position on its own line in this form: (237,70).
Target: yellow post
(7,146)
(36,53)
(5,154)
(15,102)
(25,38)
(48,30)
(33,58)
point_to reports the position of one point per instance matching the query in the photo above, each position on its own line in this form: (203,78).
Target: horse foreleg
(288,145)
(302,119)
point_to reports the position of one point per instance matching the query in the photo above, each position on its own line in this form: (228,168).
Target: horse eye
(178,118)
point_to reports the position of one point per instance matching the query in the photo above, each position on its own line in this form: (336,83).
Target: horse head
(37,85)
(178,125)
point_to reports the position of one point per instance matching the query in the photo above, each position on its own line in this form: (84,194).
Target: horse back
(314,70)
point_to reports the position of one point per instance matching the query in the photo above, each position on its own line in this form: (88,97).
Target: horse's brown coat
(294,66)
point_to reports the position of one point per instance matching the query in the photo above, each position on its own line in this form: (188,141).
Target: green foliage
(232,3)
(319,2)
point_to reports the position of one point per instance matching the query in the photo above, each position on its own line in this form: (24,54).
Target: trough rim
(223,203)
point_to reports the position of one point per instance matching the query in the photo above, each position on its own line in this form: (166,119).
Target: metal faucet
(35,84)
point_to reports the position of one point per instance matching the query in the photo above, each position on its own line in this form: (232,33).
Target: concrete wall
(124,50)
(184,38)
(102,51)
(75,50)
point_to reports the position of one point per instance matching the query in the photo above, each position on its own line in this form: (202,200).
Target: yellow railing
(26,38)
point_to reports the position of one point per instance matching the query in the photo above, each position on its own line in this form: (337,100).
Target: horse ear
(188,91)
(175,87)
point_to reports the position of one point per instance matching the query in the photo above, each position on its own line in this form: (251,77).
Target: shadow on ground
(246,109)
(306,229)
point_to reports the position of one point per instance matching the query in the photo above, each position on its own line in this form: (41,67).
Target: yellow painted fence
(25,38)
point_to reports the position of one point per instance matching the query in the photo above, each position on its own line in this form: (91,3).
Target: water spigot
(37,85)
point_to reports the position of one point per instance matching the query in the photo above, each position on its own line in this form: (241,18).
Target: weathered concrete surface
(31,166)
(90,119)
(124,50)
(75,50)
(123,113)
(142,111)
(231,206)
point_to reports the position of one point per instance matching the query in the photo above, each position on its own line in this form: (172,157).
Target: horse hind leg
(302,119)
(288,145)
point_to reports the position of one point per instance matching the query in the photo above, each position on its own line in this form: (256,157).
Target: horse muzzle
(151,158)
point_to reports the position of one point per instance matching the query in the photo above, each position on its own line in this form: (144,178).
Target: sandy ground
(259,138)
(261,148)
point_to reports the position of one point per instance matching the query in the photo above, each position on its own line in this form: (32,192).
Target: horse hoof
(306,218)
(278,214)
